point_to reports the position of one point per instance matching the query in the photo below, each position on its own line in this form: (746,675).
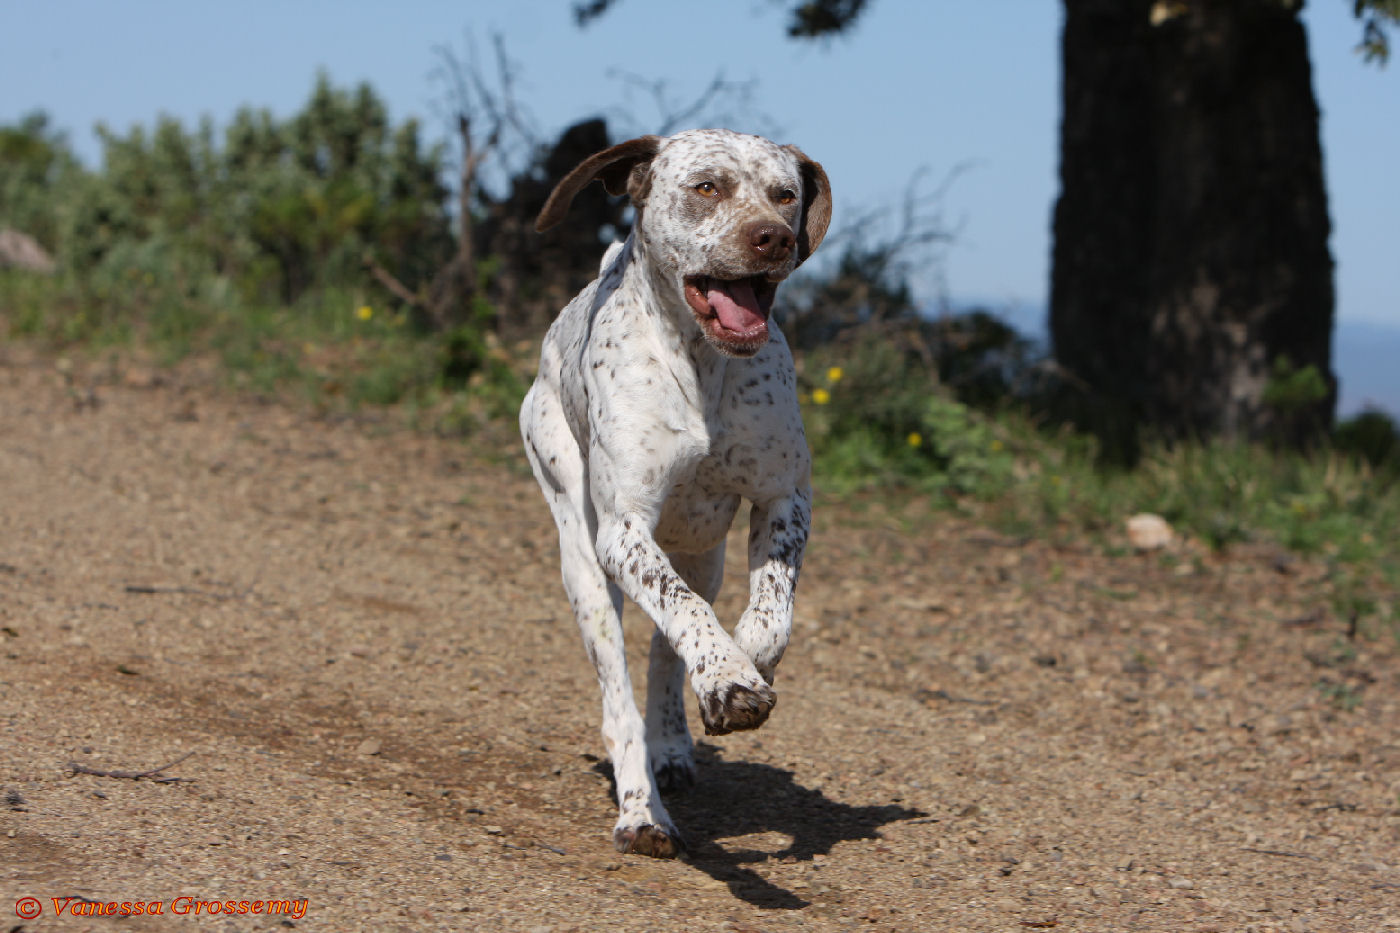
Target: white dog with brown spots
(665,396)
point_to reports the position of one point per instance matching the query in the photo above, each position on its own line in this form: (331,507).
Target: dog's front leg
(777,538)
(733,695)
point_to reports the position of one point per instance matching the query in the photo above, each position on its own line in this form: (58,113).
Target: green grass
(1324,503)
(1329,505)
(879,424)
(333,349)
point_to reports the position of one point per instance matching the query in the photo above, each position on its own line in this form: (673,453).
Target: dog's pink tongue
(735,305)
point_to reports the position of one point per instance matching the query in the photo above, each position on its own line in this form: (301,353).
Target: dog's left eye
(787,196)
(707,188)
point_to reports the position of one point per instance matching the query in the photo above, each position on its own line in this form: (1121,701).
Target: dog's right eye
(707,188)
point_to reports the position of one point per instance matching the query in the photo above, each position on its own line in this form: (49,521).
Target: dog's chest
(694,521)
(750,445)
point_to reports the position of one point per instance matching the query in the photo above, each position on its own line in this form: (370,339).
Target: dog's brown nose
(771,241)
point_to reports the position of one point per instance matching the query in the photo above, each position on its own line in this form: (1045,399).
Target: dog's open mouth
(733,313)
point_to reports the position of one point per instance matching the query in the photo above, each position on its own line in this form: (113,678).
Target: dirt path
(360,636)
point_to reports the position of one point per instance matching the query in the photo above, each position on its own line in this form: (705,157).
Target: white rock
(1149,532)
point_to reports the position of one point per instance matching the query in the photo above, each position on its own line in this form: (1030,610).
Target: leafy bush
(278,209)
(880,416)
(1374,437)
(35,161)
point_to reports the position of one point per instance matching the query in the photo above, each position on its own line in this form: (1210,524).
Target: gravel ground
(352,641)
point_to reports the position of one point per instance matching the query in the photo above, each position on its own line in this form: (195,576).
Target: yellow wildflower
(821,396)
(915,439)
(364,313)
(996,445)
(834,374)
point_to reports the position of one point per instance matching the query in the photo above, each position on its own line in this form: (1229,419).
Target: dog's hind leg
(643,825)
(668,736)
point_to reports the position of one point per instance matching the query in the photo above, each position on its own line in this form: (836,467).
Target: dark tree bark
(1192,283)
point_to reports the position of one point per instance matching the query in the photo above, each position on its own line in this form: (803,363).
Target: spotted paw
(648,839)
(735,707)
(674,774)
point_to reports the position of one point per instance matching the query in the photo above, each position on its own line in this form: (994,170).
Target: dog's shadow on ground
(740,798)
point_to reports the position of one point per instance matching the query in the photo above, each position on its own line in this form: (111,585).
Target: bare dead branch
(496,140)
(487,98)
(179,590)
(719,103)
(386,278)
(587,11)
(511,113)
(1280,853)
(77,768)
(896,244)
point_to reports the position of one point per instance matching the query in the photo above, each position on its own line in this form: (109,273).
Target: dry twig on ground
(134,775)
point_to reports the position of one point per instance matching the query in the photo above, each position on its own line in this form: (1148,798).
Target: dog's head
(725,216)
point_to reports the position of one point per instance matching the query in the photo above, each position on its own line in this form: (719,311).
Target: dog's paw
(735,707)
(649,839)
(674,773)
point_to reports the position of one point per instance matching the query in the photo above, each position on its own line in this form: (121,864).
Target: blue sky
(921,84)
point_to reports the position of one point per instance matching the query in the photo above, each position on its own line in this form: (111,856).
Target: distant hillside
(1368,363)
(1366,355)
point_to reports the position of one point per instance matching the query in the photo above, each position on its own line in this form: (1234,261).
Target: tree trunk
(1192,284)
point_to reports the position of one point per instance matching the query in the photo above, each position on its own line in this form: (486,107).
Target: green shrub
(1373,436)
(881,417)
(276,209)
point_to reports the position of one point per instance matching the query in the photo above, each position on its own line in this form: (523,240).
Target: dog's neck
(698,367)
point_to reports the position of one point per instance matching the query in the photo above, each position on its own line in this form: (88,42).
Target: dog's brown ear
(621,168)
(816,205)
